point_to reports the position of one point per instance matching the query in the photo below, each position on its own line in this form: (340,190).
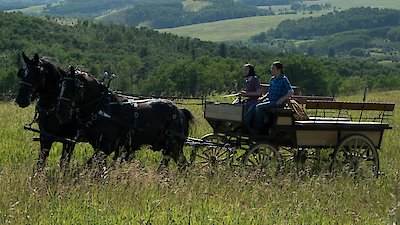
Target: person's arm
(256,93)
(284,98)
(290,92)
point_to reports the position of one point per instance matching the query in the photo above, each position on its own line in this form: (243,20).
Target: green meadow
(234,29)
(135,193)
(31,10)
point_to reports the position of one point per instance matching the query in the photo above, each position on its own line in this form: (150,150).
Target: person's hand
(242,93)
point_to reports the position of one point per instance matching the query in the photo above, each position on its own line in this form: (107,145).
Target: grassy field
(235,29)
(193,5)
(31,10)
(135,193)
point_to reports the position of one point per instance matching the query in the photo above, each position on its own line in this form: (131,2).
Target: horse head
(80,93)
(33,80)
(29,80)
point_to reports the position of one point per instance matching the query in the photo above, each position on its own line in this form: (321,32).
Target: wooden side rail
(315,104)
(302,99)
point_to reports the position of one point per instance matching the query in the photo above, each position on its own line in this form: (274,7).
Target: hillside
(147,62)
(242,29)
(174,14)
(356,32)
(133,54)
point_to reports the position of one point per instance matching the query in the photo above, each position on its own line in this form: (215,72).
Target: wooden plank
(316,138)
(223,111)
(302,99)
(319,124)
(328,118)
(378,106)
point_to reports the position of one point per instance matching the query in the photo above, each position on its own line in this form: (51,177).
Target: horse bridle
(63,86)
(33,83)
(79,91)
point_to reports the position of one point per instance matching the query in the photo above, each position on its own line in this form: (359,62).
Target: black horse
(111,122)
(42,79)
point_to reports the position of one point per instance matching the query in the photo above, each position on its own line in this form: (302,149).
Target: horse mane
(85,75)
(52,68)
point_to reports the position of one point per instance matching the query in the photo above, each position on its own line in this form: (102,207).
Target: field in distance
(242,29)
(234,29)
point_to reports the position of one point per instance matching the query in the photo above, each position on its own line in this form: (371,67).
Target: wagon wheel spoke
(222,153)
(202,157)
(212,152)
(357,156)
(263,158)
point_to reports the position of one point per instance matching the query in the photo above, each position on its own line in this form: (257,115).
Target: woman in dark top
(252,86)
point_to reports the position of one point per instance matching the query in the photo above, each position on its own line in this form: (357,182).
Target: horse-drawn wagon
(347,134)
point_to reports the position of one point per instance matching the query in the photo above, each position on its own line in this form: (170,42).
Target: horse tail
(189,120)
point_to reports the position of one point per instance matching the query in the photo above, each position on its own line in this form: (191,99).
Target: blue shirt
(278,87)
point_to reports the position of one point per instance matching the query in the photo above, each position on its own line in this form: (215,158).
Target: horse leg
(164,162)
(97,163)
(66,155)
(45,146)
(176,152)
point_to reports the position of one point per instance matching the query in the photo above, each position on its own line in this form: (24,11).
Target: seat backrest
(377,106)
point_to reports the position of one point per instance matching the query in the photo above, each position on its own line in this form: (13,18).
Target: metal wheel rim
(357,155)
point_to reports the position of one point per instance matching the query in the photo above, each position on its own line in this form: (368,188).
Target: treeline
(356,43)
(335,22)
(269,2)
(148,62)
(357,32)
(154,13)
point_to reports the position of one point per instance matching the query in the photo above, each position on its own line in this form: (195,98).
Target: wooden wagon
(348,134)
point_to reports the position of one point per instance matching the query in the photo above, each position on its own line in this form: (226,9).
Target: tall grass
(135,193)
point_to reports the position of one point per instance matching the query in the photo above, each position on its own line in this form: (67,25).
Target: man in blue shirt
(279,91)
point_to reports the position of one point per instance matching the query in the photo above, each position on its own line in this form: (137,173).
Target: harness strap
(26,83)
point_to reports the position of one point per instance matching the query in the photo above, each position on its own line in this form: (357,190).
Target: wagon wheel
(265,158)
(357,155)
(208,155)
(301,160)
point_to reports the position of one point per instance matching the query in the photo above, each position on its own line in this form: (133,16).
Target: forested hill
(154,13)
(133,54)
(335,22)
(365,32)
(148,62)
